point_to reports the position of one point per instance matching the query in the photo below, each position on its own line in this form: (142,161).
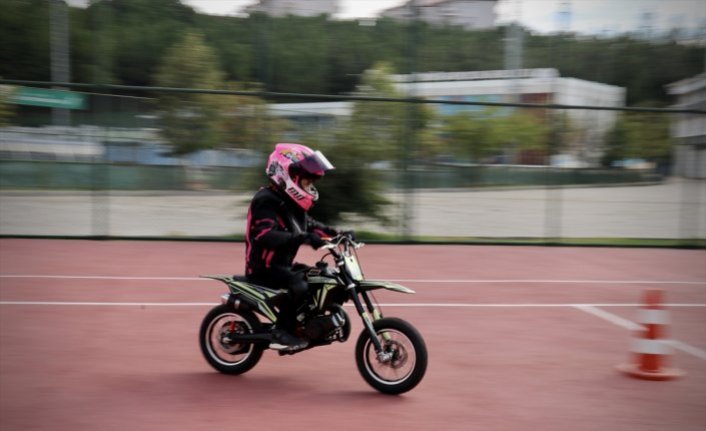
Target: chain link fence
(112,173)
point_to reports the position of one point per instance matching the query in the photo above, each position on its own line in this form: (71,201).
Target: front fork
(368,321)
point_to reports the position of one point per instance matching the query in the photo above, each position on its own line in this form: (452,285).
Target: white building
(470,14)
(281,8)
(537,86)
(690,129)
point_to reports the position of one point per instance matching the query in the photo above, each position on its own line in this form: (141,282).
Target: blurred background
(533,121)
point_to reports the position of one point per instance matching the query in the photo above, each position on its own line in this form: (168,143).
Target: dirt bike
(390,353)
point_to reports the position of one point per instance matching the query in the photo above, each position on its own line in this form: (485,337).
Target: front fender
(367,285)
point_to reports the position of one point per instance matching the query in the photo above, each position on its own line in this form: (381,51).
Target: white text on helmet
(295,193)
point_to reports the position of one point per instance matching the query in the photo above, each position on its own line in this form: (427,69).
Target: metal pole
(263,43)
(100,172)
(554,203)
(409,144)
(553,197)
(60,64)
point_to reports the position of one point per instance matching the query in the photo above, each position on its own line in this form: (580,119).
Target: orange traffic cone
(651,349)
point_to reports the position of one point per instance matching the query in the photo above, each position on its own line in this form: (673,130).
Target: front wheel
(403,361)
(220,351)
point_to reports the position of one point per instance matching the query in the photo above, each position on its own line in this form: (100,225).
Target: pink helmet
(289,164)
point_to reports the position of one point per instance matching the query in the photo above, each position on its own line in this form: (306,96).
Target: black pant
(289,278)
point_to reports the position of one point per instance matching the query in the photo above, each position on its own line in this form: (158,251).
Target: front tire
(220,352)
(408,356)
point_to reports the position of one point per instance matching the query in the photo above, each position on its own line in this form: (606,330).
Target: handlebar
(344,239)
(339,248)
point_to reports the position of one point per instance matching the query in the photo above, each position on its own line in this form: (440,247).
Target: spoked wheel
(403,361)
(221,352)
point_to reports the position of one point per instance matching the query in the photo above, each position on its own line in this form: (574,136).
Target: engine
(321,326)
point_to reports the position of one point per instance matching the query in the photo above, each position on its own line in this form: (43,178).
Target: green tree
(651,137)
(142,28)
(24,39)
(477,136)
(377,126)
(639,135)
(520,130)
(354,188)
(314,55)
(469,137)
(123,41)
(191,121)
(247,122)
(375,132)
(6,109)
(384,130)
(298,54)
(616,143)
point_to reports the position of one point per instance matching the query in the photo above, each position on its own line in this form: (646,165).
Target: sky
(587,16)
(606,17)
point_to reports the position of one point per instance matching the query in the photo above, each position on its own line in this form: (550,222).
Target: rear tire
(408,364)
(221,353)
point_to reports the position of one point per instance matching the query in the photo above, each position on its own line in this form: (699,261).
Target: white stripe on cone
(644,346)
(653,317)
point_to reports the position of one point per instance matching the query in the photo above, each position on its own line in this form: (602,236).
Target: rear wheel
(404,360)
(220,351)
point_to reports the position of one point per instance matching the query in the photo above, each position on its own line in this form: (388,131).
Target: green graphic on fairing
(323,293)
(256,296)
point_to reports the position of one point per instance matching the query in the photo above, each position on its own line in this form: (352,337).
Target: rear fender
(258,298)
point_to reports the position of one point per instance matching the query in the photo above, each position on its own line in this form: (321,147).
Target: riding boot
(283,333)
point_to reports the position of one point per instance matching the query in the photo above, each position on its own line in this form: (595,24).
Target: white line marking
(110,304)
(630,325)
(397,280)
(588,308)
(529,281)
(612,318)
(527,305)
(100,277)
(406,305)
(687,348)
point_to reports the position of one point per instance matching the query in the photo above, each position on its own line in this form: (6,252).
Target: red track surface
(510,355)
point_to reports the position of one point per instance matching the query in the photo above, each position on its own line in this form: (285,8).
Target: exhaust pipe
(230,300)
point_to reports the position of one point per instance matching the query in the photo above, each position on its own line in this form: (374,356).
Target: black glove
(349,233)
(313,240)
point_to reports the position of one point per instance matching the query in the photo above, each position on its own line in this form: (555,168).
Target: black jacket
(276,228)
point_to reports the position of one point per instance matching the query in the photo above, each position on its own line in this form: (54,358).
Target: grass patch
(374,237)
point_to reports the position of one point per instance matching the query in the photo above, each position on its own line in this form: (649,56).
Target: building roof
(428,3)
(478,75)
(687,85)
(295,7)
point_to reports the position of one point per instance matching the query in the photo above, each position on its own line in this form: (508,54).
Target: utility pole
(409,146)
(514,42)
(564,16)
(60,64)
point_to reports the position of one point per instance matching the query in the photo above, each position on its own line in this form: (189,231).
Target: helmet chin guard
(289,164)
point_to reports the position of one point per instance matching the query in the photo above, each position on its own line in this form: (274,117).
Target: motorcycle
(390,353)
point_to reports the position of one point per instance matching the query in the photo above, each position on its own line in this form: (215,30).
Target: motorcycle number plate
(354,268)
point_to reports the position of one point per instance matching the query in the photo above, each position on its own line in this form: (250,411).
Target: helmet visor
(314,165)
